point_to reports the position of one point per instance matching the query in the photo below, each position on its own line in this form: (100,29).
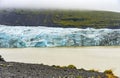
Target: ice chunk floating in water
(21,36)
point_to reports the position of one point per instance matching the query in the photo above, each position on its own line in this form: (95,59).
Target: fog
(110,5)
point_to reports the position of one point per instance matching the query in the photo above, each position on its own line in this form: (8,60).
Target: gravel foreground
(24,70)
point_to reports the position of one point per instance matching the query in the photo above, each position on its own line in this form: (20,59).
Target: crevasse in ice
(22,36)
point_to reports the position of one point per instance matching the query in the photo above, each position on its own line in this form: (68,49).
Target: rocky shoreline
(24,70)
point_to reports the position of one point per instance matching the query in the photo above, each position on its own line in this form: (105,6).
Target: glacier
(24,36)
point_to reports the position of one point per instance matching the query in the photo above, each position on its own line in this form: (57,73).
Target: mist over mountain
(61,13)
(107,5)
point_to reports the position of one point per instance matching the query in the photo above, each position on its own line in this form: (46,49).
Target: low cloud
(111,5)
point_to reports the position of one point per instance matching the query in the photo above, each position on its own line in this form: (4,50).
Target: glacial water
(98,58)
(22,36)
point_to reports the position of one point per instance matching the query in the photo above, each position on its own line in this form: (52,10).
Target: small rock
(1,59)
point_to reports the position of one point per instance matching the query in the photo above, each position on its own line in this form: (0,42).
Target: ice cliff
(22,36)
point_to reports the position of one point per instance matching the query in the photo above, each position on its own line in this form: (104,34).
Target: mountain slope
(60,18)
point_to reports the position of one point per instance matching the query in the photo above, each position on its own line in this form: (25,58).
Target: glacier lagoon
(98,58)
(23,36)
(101,58)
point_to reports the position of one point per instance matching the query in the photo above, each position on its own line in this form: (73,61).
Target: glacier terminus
(25,36)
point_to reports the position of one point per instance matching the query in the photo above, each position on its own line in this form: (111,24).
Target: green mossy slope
(60,18)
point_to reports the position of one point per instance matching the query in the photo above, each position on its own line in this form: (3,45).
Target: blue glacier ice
(22,36)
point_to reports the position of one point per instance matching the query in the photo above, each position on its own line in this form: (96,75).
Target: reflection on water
(99,58)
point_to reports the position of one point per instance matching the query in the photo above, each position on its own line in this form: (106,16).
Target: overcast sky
(111,5)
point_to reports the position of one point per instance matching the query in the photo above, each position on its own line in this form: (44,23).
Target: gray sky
(111,5)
